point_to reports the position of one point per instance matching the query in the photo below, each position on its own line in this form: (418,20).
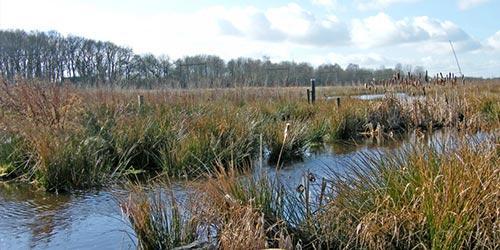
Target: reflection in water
(335,158)
(343,148)
(30,218)
(38,212)
(372,97)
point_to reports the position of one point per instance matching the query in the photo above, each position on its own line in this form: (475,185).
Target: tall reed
(439,197)
(67,138)
(158,219)
(433,196)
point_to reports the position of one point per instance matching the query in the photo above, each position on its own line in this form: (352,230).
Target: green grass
(435,198)
(71,138)
(429,197)
(157,219)
(11,148)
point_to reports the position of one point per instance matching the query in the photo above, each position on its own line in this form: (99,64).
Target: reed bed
(157,219)
(423,196)
(437,197)
(63,138)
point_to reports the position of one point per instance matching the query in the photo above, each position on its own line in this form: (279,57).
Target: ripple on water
(35,219)
(92,220)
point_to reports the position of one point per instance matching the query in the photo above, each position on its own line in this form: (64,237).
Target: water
(34,219)
(31,218)
(372,97)
(335,158)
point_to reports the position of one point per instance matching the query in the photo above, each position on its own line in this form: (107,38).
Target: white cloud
(369,60)
(379,4)
(468,4)
(326,3)
(289,32)
(275,24)
(174,34)
(381,30)
(494,41)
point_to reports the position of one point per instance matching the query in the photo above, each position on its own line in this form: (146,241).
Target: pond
(373,97)
(31,218)
(35,219)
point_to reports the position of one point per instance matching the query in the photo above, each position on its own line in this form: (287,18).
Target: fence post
(308,96)
(140,100)
(313,90)
(338,102)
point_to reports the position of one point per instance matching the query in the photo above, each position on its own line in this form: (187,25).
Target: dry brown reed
(186,133)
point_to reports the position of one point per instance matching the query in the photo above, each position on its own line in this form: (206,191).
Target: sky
(371,33)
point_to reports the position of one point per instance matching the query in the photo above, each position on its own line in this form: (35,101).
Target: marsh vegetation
(61,139)
(440,195)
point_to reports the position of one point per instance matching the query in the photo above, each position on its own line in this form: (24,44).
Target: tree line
(90,63)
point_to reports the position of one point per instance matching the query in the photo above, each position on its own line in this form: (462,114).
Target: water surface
(31,218)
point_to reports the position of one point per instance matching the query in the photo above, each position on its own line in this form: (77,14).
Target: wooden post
(338,102)
(140,100)
(308,96)
(313,90)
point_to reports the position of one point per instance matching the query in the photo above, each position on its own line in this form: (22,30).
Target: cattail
(230,199)
(287,128)
(285,135)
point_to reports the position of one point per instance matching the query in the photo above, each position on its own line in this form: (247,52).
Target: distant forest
(90,63)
